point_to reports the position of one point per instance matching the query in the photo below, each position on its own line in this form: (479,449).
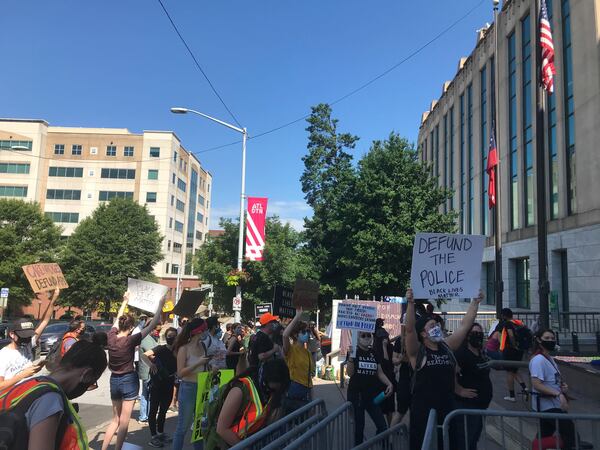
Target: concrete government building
(70,171)
(454,137)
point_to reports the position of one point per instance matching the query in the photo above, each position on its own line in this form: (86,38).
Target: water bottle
(377,400)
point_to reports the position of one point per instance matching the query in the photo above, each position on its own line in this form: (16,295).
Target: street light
(244,132)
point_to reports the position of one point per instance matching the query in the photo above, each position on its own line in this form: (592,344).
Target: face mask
(22,342)
(219,334)
(303,338)
(170,340)
(435,334)
(365,342)
(142,323)
(548,345)
(156,334)
(476,339)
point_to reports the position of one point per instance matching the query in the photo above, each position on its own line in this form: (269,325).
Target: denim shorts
(124,386)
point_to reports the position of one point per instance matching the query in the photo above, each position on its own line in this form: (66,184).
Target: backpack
(14,434)
(54,356)
(523,337)
(421,355)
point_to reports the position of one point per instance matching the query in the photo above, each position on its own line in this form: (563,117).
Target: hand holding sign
(306,294)
(145,295)
(45,277)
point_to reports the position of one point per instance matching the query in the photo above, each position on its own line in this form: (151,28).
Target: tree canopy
(27,236)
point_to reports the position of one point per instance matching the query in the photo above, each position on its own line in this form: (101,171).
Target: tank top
(190,360)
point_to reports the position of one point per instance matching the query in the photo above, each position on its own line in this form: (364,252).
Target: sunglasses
(366,335)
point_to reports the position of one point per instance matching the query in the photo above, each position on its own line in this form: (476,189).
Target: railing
(452,320)
(519,429)
(335,432)
(430,440)
(286,429)
(395,438)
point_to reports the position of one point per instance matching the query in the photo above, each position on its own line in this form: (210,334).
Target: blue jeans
(187,409)
(144,403)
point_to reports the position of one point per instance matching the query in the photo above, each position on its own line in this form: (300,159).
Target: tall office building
(454,137)
(70,171)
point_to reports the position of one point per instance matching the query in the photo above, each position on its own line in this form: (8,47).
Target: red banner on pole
(255,228)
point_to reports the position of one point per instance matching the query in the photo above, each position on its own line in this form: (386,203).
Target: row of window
(123,174)
(520,63)
(63,194)
(77,149)
(63,217)
(14,168)
(13,191)
(71,172)
(11,144)
(77,172)
(105,196)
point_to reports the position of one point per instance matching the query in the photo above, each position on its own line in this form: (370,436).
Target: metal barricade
(519,429)
(285,429)
(430,440)
(335,432)
(395,438)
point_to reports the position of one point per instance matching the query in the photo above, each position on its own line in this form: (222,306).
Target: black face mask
(548,345)
(22,342)
(170,340)
(476,339)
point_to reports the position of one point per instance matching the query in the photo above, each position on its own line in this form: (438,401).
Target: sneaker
(142,420)
(156,442)
(510,399)
(164,437)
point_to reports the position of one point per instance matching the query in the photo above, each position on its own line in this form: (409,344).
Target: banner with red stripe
(255,228)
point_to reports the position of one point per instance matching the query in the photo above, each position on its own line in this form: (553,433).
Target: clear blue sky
(116,63)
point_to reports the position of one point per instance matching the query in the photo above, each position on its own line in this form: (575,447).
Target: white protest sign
(446,265)
(144,294)
(356,317)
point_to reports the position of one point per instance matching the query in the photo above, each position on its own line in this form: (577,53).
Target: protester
(143,370)
(162,366)
(473,388)
(215,348)
(403,388)
(492,346)
(383,350)
(239,411)
(511,352)
(183,321)
(16,358)
(367,384)
(124,382)
(262,347)
(433,362)
(299,361)
(76,331)
(550,392)
(192,359)
(51,422)
(314,344)
(228,334)
(235,348)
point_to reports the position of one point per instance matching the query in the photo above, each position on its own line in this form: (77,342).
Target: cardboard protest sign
(203,395)
(189,302)
(356,316)
(145,295)
(282,301)
(45,277)
(306,294)
(446,265)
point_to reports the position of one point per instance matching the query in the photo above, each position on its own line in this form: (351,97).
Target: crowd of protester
(274,365)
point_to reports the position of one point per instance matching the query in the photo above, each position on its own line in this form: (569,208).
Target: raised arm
(121,309)
(47,314)
(288,330)
(411,340)
(148,328)
(457,338)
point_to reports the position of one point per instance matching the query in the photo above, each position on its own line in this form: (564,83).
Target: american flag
(492,162)
(547,49)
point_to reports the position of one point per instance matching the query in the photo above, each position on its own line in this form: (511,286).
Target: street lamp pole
(244,132)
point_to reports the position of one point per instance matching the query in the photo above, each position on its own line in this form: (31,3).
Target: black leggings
(161,395)
(566,428)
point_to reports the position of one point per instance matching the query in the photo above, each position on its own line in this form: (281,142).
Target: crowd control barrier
(395,438)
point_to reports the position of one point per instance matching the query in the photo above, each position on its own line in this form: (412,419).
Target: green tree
(119,240)
(27,236)
(393,198)
(327,181)
(282,263)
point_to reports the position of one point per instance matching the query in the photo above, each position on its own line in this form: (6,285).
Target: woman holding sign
(365,390)
(124,381)
(432,360)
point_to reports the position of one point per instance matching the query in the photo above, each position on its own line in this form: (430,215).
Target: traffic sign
(4,293)
(237,303)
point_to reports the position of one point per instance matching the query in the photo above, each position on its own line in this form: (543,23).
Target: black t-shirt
(259,343)
(473,377)
(434,385)
(405,371)
(379,337)
(165,361)
(365,378)
(232,360)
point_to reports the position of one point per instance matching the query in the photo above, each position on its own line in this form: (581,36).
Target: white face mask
(435,334)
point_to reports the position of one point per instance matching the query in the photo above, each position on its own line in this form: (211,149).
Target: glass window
(445,159)
(172,200)
(170,222)
(109,195)
(451,159)
(471,168)
(181,185)
(152,174)
(70,172)
(63,194)
(177,247)
(13,191)
(527,119)
(14,168)
(552,144)
(150,197)
(512,123)
(484,147)
(199,235)
(59,149)
(128,151)
(111,150)
(173,178)
(174,269)
(167,268)
(179,226)
(123,174)
(180,205)
(569,107)
(201,200)
(63,217)
(154,152)
(168,245)
(490,275)
(76,149)
(174,156)
(463,186)
(523,280)
(200,217)
(10,144)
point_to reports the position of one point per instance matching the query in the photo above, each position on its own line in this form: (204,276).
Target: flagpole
(498,281)
(542,230)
